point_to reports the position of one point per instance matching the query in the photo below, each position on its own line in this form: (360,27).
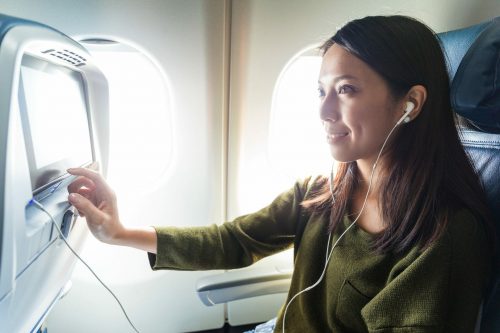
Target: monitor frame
(55,171)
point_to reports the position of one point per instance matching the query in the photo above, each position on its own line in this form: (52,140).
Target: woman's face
(356,106)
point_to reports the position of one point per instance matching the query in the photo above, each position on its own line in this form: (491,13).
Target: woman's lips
(335,137)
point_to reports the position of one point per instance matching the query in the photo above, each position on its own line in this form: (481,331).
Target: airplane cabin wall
(187,40)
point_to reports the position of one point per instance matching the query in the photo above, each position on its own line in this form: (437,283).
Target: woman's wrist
(142,238)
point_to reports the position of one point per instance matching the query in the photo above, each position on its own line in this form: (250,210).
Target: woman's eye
(346,89)
(321,93)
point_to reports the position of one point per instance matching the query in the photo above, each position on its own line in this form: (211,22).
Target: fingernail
(73,198)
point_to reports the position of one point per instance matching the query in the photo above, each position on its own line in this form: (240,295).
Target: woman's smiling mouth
(335,137)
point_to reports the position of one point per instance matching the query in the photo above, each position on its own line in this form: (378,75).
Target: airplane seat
(51,93)
(474,68)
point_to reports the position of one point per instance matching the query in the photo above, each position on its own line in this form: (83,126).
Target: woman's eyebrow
(339,78)
(344,77)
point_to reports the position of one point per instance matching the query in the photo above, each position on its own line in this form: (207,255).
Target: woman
(403,222)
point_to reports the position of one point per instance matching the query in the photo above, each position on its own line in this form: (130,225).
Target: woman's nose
(328,108)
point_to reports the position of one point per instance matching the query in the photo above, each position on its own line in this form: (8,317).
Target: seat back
(473,56)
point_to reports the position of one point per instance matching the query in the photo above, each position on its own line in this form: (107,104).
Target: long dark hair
(427,175)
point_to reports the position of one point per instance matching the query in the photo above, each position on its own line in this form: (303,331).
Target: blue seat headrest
(473,56)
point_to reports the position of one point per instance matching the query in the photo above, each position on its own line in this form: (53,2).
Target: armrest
(242,283)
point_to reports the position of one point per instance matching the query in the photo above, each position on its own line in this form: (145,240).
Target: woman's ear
(417,96)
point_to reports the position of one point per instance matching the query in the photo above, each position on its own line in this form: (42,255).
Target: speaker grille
(68,56)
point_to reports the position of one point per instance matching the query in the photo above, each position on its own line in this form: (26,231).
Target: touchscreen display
(55,121)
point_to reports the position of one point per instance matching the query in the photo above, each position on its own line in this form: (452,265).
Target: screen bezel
(55,171)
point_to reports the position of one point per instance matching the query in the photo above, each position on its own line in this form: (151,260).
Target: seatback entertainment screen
(55,120)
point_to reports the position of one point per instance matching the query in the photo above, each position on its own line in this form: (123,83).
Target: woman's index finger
(95,176)
(80,182)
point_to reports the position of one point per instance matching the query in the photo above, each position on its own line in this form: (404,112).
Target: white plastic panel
(27,288)
(186,40)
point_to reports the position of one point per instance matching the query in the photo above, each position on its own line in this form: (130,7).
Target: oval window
(140,116)
(297,144)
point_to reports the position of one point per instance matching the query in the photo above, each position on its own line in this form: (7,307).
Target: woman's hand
(94,199)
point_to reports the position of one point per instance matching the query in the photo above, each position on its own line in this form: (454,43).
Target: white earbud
(408,109)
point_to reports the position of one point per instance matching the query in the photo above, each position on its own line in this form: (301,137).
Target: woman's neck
(370,219)
(366,174)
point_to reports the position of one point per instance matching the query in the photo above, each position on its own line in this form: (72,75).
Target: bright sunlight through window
(297,146)
(140,126)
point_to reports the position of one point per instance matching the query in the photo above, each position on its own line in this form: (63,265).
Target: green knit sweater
(435,290)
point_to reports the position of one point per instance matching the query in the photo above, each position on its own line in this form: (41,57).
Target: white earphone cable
(343,233)
(41,207)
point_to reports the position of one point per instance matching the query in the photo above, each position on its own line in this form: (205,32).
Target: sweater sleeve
(233,244)
(440,290)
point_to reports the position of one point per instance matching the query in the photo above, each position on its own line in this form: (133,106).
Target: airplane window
(297,146)
(140,126)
